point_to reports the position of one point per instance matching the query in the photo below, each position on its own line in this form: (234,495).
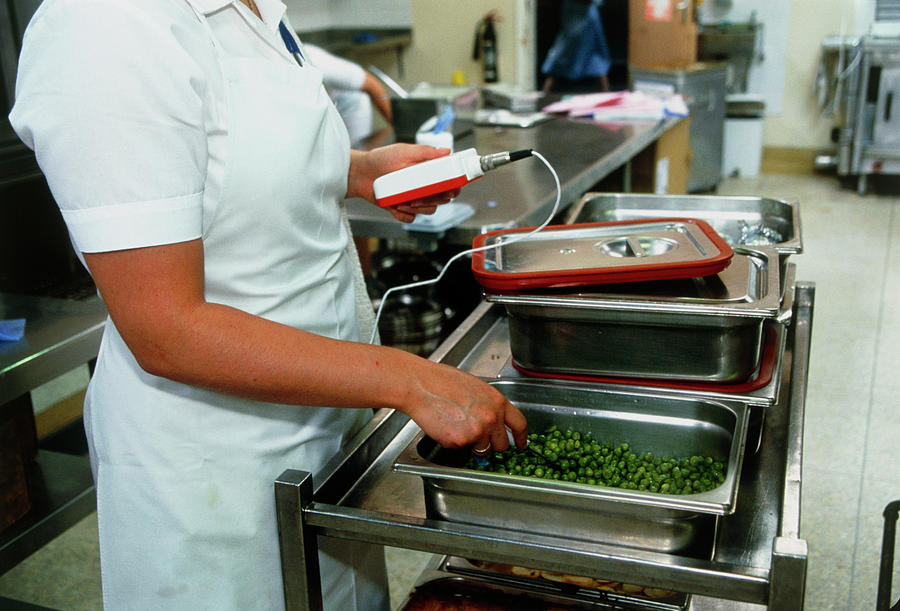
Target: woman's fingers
(517,425)
(407,212)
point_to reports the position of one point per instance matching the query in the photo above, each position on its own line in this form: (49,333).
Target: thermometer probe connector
(495,160)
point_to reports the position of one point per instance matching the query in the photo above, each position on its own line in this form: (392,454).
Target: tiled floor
(851,466)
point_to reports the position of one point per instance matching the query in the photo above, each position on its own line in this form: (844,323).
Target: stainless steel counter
(582,152)
(758,557)
(60,334)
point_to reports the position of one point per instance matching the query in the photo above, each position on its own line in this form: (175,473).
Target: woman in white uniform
(200,170)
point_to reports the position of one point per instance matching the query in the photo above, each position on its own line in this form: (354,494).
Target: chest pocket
(288,152)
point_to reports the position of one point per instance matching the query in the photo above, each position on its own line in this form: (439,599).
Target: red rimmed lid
(599,253)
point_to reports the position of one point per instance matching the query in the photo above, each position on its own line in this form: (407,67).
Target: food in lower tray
(454,595)
(575,580)
(569,455)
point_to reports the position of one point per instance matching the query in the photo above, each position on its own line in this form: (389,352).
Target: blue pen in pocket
(291,44)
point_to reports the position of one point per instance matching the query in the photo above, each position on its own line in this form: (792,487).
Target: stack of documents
(621,106)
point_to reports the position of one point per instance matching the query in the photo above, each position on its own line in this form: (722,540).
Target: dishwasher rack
(758,558)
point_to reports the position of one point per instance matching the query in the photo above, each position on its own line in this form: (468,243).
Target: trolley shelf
(758,557)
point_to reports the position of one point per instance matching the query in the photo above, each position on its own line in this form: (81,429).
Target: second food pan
(661,424)
(751,221)
(706,329)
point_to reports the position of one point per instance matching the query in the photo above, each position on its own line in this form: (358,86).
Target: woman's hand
(366,166)
(379,96)
(457,409)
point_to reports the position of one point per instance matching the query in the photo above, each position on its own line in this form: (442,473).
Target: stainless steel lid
(599,253)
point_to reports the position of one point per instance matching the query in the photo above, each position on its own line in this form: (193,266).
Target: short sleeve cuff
(136,225)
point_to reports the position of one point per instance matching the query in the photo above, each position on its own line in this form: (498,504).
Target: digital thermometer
(438,175)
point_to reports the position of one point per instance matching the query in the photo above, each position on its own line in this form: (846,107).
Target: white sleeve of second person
(337,72)
(118,134)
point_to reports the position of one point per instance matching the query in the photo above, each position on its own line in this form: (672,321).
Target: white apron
(185,476)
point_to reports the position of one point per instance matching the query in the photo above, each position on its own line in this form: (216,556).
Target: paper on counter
(622,106)
(445,217)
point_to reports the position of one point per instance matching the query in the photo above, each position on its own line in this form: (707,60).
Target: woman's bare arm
(155,297)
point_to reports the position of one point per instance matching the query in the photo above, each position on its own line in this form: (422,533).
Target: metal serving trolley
(757,557)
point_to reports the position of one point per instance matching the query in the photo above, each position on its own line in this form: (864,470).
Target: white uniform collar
(272,11)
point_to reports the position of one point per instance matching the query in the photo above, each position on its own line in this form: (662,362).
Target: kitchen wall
(444,35)
(306,15)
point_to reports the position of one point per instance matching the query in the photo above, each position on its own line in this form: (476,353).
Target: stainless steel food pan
(436,590)
(739,220)
(604,592)
(666,425)
(699,329)
(457,583)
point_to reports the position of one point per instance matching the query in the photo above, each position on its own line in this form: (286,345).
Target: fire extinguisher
(486,47)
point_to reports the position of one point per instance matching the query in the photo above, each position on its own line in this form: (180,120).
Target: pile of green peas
(575,457)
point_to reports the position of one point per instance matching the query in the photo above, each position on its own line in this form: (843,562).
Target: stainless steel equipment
(737,44)
(59,335)
(653,422)
(752,221)
(459,580)
(707,328)
(860,81)
(703,86)
(758,557)
(437,589)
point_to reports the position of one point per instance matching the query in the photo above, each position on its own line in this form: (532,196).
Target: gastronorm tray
(700,329)
(435,590)
(761,377)
(602,592)
(750,221)
(598,253)
(652,422)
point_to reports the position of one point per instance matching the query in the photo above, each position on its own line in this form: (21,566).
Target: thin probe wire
(459,255)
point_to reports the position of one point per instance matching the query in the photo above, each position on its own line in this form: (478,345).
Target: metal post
(883,602)
(788,577)
(626,177)
(787,581)
(299,548)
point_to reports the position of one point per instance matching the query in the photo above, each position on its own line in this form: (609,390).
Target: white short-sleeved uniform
(161,121)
